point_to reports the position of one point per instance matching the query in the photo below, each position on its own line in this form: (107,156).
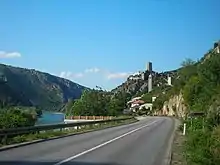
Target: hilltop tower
(149,67)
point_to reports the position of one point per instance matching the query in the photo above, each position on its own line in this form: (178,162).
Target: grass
(178,149)
(59,133)
(203,147)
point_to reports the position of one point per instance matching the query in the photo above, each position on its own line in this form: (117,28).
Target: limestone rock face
(175,106)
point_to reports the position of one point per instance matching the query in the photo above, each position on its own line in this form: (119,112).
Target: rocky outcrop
(175,106)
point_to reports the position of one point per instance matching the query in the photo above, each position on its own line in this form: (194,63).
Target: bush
(14,118)
(202,144)
(197,147)
(215,146)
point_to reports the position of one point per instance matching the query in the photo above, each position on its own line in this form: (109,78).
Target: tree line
(99,103)
(14,117)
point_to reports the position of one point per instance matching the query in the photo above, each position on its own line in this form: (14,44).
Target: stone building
(217,47)
(169,80)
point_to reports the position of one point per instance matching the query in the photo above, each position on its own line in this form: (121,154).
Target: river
(50,118)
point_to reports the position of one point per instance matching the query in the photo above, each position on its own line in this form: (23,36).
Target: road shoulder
(177,154)
(168,153)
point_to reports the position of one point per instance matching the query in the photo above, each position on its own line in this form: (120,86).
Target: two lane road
(142,143)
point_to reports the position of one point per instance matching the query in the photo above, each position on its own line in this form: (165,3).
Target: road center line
(103,144)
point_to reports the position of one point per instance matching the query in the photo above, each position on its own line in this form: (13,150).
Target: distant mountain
(28,87)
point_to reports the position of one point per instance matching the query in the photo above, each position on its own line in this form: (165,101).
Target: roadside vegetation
(200,84)
(201,93)
(14,117)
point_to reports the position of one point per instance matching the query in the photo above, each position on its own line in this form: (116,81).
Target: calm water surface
(51,118)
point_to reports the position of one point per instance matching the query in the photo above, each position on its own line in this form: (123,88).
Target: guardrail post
(184,129)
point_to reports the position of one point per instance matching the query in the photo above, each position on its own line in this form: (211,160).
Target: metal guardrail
(26,130)
(89,117)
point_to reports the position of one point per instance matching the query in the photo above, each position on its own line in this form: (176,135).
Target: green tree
(99,102)
(13,118)
(187,62)
(92,102)
(209,71)
(115,107)
(191,90)
(147,97)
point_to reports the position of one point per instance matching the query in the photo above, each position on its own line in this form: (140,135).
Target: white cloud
(70,75)
(105,73)
(4,54)
(78,75)
(92,70)
(121,75)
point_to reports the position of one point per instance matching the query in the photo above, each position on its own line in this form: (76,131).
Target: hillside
(28,87)
(195,90)
(194,86)
(136,85)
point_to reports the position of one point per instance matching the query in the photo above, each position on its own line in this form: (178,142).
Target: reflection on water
(51,118)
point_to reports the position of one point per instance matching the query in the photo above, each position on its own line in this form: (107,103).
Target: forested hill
(28,87)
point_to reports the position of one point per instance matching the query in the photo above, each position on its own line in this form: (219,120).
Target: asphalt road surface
(142,143)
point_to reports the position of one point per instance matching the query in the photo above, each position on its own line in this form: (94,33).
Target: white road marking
(101,145)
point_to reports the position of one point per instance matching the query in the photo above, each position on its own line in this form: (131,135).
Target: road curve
(141,143)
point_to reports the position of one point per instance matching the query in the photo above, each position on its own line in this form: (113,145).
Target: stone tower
(169,80)
(149,67)
(150,81)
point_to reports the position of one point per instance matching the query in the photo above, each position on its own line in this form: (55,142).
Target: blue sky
(100,42)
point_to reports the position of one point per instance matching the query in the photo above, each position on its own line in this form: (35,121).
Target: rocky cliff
(174,106)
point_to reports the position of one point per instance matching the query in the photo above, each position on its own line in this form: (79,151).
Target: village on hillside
(137,104)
